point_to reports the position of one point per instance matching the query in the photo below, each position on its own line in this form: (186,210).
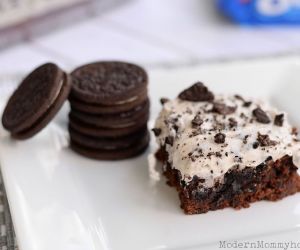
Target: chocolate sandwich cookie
(118,154)
(107,143)
(36,101)
(108,83)
(89,130)
(93,108)
(139,114)
(109,110)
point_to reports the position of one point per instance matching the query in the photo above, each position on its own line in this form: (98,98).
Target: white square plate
(60,200)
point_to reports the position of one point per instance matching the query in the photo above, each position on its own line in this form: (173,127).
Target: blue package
(262,11)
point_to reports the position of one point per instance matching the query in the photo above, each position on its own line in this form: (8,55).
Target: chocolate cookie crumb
(197,121)
(156,131)
(247,104)
(265,141)
(220,138)
(245,140)
(239,98)
(169,140)
(175,127)
(232,123)
(278,121)
(269,158)
(255,145)
(261,116)
(197,93)
(294,131)
(223,109)
(218,154)
(238,159)
(163,100)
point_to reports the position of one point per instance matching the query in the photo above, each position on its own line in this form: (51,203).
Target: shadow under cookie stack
(109,110)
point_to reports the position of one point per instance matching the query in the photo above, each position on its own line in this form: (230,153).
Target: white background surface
(153,33)
(60,200)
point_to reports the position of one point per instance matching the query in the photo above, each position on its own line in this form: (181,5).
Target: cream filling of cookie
(50,105)
(132,99)
(212,143)
(58,91)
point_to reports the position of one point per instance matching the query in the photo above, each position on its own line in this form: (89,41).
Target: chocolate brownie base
(270,181)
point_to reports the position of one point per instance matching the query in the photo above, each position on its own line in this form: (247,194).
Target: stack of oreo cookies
(109,110)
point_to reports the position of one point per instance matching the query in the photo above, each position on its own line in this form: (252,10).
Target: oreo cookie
(103,143)
(36,101)
(93,108)
(118,154)
(108,83)
(111,133)
(139,114)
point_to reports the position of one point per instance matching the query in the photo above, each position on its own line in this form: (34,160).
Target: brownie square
(223,151)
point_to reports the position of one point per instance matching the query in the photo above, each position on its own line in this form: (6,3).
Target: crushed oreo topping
(255,145)
(232,123)
(223,109)
(261,116)
(294,131)
(238,159)
(197,93)
(169,140)
(175,127)
(269,158)
(245,140)
(279,119)
(246,104)
(218,154)
(164,100)
(223,133)
(265,141)
(197,121)
(156,131)
(239,98)
(220,138)
(219,126)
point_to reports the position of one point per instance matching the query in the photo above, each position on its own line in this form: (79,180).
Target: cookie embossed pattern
(226,151)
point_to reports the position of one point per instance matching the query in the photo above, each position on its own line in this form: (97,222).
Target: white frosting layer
(194,151)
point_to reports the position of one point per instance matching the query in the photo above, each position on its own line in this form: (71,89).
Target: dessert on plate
(223,151)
